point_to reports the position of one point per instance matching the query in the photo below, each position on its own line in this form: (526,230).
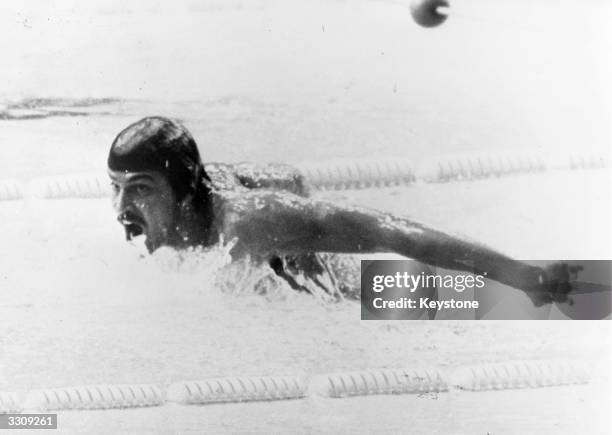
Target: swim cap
(162,145)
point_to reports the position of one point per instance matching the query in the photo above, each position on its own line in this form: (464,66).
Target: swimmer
(162,190)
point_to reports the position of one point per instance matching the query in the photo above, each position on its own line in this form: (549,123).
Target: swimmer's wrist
(536,279)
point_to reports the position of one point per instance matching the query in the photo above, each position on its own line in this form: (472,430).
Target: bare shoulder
(222,176)
(264,220)
(258,204)
(275,176)
(272,176)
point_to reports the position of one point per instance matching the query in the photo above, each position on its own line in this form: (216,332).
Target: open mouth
(133,226)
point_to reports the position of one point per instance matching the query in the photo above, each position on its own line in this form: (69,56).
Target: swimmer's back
(317,273)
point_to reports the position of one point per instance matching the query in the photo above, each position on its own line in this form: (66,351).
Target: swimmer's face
(145,203)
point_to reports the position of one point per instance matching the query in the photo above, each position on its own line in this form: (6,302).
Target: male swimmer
(162,190)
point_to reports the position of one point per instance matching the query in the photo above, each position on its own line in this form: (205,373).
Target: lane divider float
(517,375)
(10,190)
(94,397)
(9,403)
(238,389)
(363,383)
(70,186)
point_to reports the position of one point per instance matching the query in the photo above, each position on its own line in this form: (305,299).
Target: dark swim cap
(162,145)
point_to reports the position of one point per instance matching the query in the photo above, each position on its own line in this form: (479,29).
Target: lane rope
(341,174)
(473,378)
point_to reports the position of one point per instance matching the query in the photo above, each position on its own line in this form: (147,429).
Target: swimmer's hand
(553,284)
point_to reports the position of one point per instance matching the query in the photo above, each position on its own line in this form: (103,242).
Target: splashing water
(213,270)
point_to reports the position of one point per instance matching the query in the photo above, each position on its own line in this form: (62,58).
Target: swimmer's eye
(142,189)
(114,187)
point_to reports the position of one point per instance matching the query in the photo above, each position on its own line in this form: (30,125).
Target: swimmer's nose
(122,202)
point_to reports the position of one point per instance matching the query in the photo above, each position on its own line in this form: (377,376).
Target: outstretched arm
(273,222)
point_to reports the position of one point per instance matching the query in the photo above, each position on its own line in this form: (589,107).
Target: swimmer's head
(156,173)
(162,145)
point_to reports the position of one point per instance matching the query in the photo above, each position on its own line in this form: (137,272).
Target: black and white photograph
(306,217)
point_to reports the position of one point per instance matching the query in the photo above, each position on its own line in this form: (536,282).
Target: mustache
(130,218)
(133,224)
